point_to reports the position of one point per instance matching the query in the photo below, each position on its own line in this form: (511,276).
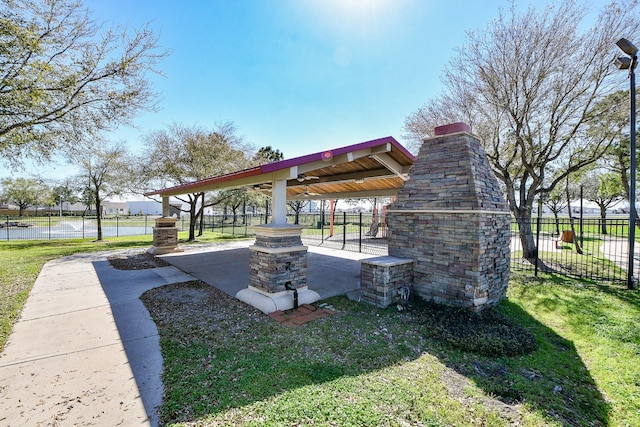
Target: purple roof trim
(283,164)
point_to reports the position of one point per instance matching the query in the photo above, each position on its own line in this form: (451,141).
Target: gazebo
(278,260)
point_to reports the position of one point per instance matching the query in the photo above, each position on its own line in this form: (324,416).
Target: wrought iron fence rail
(588,248)
(72,227)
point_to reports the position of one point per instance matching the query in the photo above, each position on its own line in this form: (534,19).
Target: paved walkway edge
(65,362)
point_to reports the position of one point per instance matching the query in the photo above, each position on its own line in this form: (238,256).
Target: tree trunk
(555,215)
(192,219)
(625,184)
(529,249)
(98,216)
(576,242)
(201,217)
(603,216)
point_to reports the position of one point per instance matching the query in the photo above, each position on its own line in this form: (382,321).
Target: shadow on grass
(552,380)
(222,356)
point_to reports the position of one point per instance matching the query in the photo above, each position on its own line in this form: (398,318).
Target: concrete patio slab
(85,351)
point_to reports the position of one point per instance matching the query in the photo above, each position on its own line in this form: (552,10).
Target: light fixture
(622,62)
(629,63)
(627,47)
(302,177)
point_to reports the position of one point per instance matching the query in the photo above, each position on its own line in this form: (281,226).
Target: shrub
(488,333)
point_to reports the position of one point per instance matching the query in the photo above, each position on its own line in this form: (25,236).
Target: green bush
(489,333)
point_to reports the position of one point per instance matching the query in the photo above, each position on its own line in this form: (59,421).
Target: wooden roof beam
(395,167)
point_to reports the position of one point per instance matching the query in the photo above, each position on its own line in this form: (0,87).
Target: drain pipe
(288,287)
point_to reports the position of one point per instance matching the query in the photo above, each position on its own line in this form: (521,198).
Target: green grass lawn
(227,364)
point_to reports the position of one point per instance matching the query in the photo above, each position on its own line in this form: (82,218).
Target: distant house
(114,208)
(149,207)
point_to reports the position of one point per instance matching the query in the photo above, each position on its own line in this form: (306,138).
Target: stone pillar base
(277,266)
(165,237)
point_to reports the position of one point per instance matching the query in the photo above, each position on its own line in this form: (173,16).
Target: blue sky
(299,75)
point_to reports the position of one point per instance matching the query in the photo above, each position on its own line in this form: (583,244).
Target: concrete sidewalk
(85,351)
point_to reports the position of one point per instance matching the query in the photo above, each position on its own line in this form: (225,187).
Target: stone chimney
(451,218)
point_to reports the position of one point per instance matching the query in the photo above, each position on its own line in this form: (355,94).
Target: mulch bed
(141,261)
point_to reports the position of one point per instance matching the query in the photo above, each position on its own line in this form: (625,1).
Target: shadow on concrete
(227,269)
(137,329)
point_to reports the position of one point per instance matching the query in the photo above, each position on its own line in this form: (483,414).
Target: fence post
(117,227)
(7,227)
(537,244)
(49,226)
(360,232)
(581,219)
(344,229)
(83,226)
(145,224)
(322,227)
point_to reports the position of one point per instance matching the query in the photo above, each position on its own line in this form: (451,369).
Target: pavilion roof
(372,168)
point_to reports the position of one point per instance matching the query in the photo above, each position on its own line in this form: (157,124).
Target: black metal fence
(72,227)
(599,250)
(589,248)
(356,232)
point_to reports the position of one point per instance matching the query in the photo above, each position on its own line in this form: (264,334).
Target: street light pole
(629,63)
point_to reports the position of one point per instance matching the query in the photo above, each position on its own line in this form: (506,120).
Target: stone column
(277,269)
(451,218)
(165,236)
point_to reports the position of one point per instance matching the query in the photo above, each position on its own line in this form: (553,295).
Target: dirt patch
(141,261)
(458,385)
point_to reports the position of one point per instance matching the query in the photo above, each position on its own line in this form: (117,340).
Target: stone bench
(381,279)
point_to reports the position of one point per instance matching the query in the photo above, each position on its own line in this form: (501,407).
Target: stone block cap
(451,128)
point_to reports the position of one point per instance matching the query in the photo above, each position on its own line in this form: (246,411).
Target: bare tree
(179,155)
(63,77)
(605,190)
(527,85)
(104,173)
(297,206)
(556,202)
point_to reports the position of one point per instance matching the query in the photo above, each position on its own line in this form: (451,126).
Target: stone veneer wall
(277,258)
(450,217)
